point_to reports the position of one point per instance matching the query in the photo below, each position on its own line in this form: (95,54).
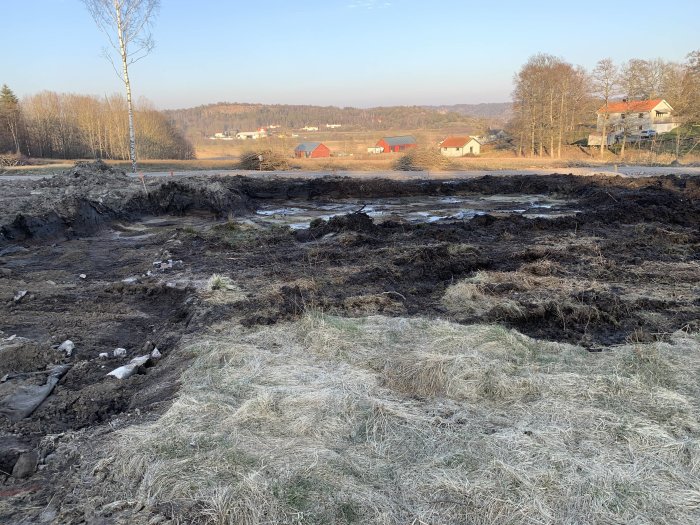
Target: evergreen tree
(10,120)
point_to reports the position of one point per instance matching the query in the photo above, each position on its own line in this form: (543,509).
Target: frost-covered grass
(392,420)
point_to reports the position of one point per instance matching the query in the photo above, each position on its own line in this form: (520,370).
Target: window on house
(471,149)
(622,115)
(641,115)
(640,128)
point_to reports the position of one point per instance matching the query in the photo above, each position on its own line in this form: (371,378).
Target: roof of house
(307,146)
(399,141)
(456,142)
(632,106)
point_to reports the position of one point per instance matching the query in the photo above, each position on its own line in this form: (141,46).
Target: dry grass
(219,282)
(391,420)
(423,159)
(472,297)
(220,289)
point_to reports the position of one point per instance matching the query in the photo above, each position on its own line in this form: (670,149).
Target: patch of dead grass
(393,420)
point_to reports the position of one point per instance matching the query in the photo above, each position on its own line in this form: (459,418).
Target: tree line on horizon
(203,121)
(71,126)
(555,102)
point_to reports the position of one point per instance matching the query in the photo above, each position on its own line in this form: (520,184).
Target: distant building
(396,144)
(333,126)
(460,146)
(635,118)
(221,136)
(375,149)
(251,135)
(310,128)
(311,150)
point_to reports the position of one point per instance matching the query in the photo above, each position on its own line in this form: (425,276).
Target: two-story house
(633,118)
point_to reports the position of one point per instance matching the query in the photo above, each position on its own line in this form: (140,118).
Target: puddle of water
(299,214)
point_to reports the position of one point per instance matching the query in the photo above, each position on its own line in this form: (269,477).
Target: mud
(620,262)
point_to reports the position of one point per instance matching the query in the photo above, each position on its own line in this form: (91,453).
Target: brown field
(532,358)
(349,153)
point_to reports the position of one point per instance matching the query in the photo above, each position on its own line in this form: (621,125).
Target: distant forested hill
(204,121)
(496,112)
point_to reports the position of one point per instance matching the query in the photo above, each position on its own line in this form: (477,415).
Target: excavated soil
(110,262)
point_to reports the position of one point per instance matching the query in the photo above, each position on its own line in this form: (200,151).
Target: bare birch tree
(126,23)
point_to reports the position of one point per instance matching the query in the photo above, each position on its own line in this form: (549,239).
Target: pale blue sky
(335,52)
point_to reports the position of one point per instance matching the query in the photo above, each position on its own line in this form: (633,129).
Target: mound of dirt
(86,176)
(82,199)
(194,194)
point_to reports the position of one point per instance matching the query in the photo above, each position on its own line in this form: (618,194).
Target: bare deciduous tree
(547,97)
(127,26)
(604,84)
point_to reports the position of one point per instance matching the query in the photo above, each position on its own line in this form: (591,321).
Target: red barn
(396,144)
(311,150)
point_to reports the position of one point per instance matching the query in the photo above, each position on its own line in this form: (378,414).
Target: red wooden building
(311,150)
(396,144)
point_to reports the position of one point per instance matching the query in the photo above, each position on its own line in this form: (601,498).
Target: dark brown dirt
(625,268)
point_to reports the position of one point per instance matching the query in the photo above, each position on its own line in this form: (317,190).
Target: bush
(422,160)
(263,160)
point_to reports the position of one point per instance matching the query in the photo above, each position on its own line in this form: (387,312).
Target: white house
(251,135)
(633,118)
(221,136)
(460,146)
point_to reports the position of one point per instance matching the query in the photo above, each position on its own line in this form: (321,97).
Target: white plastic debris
(104,355)
(129,369)
(82,276)
(156,354)
(119,352)
(130,280)
(67,346)
(18,296)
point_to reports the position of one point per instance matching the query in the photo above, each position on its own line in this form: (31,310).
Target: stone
(67,346)
(119,352)
(11,448)
(130,369)
(19,295)
(155,354)
(26,464)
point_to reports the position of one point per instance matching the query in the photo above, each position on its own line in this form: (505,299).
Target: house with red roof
(460,146)
(636,119)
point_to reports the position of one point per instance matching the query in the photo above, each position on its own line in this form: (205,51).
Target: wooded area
(555,102)
(203,121)
(69,126)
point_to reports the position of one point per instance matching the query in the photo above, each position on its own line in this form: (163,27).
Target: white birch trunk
(125,70)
